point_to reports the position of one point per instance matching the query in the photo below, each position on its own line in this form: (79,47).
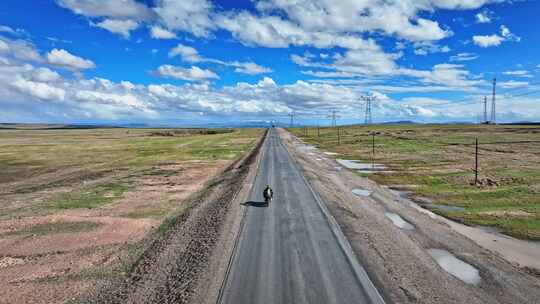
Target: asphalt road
(289,251)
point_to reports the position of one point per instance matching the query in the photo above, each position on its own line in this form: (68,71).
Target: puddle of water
(399,221)
(361,192)
(455,266)
(444,207)
(307,147)
(524,253)
(365,171)
(330,153)
(374,171)
(401,193)
(354,164)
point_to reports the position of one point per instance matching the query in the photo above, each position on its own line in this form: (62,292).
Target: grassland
(38,160)
(437,162)
(80,201)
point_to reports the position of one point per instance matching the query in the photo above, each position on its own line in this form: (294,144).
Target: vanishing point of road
(292,251)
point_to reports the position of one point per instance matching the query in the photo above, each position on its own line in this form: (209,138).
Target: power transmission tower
(334,118)
(493,108)
(292,119)
(485,110)
(368,100)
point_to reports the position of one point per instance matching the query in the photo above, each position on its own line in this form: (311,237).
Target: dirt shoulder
(188,261)
(397,259)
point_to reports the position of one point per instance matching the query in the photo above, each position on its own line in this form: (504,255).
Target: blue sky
(198,61)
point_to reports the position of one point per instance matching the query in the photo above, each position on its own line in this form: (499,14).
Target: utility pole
(493,107)
(368,100)
(292,119)
(485,110)
(318,131)
(334,118)
(476,164)
(373,150)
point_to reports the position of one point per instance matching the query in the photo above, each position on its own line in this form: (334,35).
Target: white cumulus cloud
(483,17)
(487,40)
(513,84)
(45,75)
(191,16)
(119,9)
(190,74)
(121,27)
(495,39)
(191,55)
(187,53)
(427,47)
(250,68)
(38,89)
(157,32)
(63,58)
(19,49)
(518,73)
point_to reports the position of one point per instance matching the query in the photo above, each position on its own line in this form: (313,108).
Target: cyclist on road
(268,194)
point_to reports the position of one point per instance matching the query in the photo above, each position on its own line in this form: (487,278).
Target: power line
(485,109)
(493,109)
(292,118)
(471,101)
(467,101)
(368,100)
(334,118)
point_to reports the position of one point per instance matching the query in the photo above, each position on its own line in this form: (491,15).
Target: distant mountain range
(217,125)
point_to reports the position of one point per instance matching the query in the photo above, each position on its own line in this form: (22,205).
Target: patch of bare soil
(57,276)
(111,230)
(154,193)
(55,267)
(171,268)
(397,260)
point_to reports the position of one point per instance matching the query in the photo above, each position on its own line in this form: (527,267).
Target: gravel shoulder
(398,260)
(188,261)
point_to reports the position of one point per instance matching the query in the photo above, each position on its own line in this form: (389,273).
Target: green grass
(439,159)
(90,198)
(53,228)
(25,153)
